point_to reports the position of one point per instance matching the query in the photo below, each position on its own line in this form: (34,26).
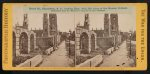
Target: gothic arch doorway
(92,42)
(31,42)
(23,43)
(84,43)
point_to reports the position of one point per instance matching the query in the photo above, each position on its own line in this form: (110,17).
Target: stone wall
(44,42)
(104,43)
(93,62)
(33,62)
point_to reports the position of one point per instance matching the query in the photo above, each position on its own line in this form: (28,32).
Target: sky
(68,21)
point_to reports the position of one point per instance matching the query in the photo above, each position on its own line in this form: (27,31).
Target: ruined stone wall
(44,43)
(104,43)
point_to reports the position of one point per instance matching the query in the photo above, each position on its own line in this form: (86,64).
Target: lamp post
(130,42)
(114,44)
(69,41)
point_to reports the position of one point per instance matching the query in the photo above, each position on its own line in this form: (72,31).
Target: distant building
(111,26)
(110,36)
(49,36)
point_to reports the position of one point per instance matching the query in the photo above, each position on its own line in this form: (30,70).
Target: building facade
(49,36)
(85,39)
(25,40)
(88,40)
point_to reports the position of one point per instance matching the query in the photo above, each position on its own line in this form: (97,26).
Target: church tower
(45,25)
(53,24)
(86,22)
(114,24)
(25,21)
(53,28)
(106,25)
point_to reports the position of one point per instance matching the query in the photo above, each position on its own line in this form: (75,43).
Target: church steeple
(53,27)
(114,23)
(25,21)
(106,25)
(45,25)
(53,23)
(86,22)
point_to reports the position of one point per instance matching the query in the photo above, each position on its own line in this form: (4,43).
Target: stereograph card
(74,36)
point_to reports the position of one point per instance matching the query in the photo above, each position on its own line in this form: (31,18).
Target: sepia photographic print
(51,39)
(74,36)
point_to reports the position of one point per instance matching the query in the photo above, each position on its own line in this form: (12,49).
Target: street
(118,58)
(58,58)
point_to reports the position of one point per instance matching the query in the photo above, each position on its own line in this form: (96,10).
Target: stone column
(96,42)
(34,41)
(28,43)
(77,41)
(89,45)
(77,44)
(17,45)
